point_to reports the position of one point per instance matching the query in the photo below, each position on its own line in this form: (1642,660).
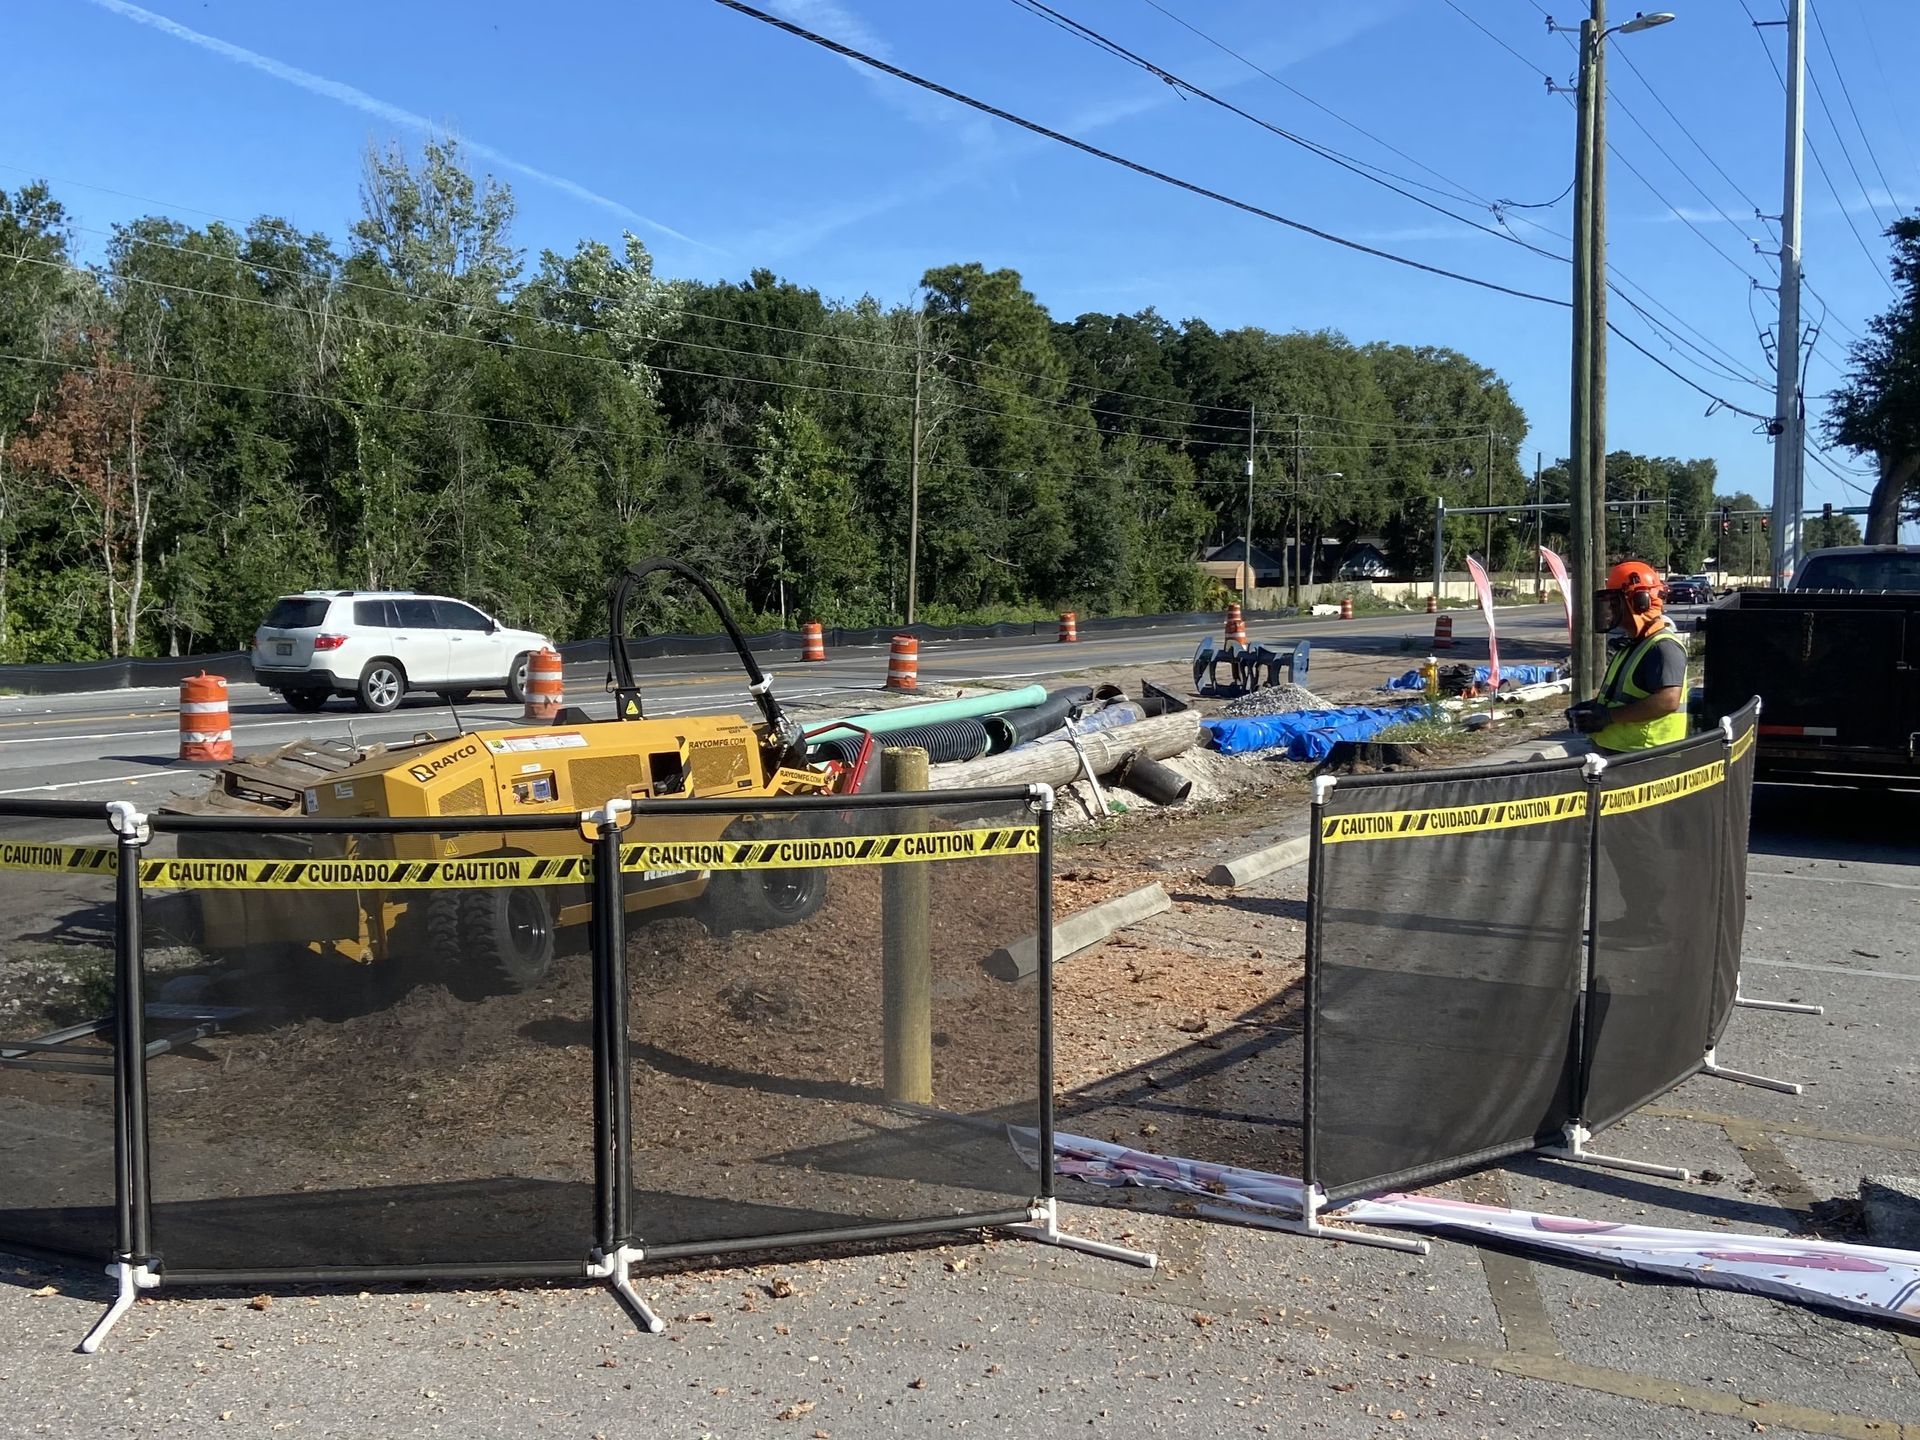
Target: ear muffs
(1641,601)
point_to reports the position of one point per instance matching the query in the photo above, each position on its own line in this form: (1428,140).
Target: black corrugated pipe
(1017,727)
(945,741)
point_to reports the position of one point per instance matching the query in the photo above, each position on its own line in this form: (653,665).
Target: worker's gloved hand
(1589,716)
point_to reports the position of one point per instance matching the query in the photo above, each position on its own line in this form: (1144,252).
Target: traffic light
(1766,524)
(1826,513)
(1726,522)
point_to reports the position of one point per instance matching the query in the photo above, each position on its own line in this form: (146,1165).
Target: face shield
(1609,611)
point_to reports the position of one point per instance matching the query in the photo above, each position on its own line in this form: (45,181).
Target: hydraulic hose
(786,733)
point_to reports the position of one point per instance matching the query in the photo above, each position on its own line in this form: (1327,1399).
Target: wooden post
(906,896)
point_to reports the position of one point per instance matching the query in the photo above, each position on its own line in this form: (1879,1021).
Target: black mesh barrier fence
(57,1047)
(1444,969)
(1738,808)
(1659,876)
(384,1052)
(819,1042)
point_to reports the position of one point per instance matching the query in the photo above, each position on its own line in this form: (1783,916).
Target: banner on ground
(1868,1280)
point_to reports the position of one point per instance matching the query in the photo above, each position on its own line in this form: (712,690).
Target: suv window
(1860,572)
(415,614)
(297,612)
(455,616)
(374,612)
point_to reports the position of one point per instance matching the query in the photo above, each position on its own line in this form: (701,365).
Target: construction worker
(1643,696)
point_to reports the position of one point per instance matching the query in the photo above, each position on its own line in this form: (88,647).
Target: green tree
(1877,411)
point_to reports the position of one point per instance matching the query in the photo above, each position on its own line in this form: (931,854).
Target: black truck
(1835,661)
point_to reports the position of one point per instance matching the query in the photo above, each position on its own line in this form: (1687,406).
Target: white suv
(376,645)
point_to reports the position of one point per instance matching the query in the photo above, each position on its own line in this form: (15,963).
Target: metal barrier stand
(1576,1133)
(1043,1221)
(1711,1065)
(615,1253)
(133,1208)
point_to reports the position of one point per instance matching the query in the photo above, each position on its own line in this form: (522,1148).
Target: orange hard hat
(1638,587)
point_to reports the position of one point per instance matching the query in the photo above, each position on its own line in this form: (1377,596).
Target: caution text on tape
(1662,791)
(652,861)
(1452,819)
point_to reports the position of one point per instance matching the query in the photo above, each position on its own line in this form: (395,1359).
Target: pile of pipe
(1034,736)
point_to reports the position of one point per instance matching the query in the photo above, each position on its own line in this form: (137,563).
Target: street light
(1587,458)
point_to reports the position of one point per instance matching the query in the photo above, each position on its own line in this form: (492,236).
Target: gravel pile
(1276,700)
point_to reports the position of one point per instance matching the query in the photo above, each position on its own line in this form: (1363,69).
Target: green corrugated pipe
(902,717)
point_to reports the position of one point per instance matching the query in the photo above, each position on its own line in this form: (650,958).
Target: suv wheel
(517,678)
(307,700)
(383,685)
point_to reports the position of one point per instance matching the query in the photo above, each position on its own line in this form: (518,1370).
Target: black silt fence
(1444,972)
(1743,728)
(1660,876)
(1497,957)
(309,1050)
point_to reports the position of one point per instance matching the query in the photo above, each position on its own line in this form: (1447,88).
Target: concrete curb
(1248,868)
(1074,934)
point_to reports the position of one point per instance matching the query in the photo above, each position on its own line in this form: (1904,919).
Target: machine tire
(516,684)
(763,899)
(383,685)
(307,701)
(506,937)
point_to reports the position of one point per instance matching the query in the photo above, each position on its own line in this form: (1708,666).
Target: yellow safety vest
(1618,689)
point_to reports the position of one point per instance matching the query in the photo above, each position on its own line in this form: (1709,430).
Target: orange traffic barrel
(546,685)
(903,664)
(1346,609)
(206,731)
(1443,632)
(1069,628)
(1433,604)
(813,641)
(1236,633)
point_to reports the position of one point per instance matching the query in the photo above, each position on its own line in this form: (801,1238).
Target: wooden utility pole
(1597,327)
(1486,551)
(1246,541)
(1293,559)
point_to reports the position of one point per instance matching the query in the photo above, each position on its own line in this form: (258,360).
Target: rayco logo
(426,772)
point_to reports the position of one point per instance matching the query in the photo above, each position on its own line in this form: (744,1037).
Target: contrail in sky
(396,115)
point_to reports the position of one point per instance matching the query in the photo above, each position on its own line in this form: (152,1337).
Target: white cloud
(357,99)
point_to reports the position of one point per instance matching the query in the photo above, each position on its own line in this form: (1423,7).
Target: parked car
(1688,590)
(376,645)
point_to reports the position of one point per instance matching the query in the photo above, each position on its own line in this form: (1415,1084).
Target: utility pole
(1539,526)
(1293,560)
(1486,550)
(913,485)
(1789,446)
(1597,326)
(1580,535)
(1246,543)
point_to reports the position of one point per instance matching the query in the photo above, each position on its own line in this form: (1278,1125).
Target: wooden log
(1053,762)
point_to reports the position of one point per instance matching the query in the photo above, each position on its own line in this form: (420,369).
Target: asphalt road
(124,744)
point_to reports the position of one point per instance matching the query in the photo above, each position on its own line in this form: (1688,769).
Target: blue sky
(726,145)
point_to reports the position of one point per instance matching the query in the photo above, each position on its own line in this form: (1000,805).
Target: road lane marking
(1834,970)
(76,784)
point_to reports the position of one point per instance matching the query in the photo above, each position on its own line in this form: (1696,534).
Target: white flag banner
(1868,1280)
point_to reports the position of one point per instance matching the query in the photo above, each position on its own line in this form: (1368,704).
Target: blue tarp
(1515,674)
(1306,734)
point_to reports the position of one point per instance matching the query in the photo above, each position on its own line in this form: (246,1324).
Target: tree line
(209,416)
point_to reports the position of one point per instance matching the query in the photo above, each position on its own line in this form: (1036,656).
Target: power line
(1114,48)
(1886,87)
(1846,92)
(1458,191)
(1814,150)
(1034,127)
(1846,151)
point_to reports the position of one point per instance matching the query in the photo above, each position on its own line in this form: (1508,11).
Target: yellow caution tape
(654,862)
(1452,819)
(66,859)
(819,851)
(1744,742)
(1660,792)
